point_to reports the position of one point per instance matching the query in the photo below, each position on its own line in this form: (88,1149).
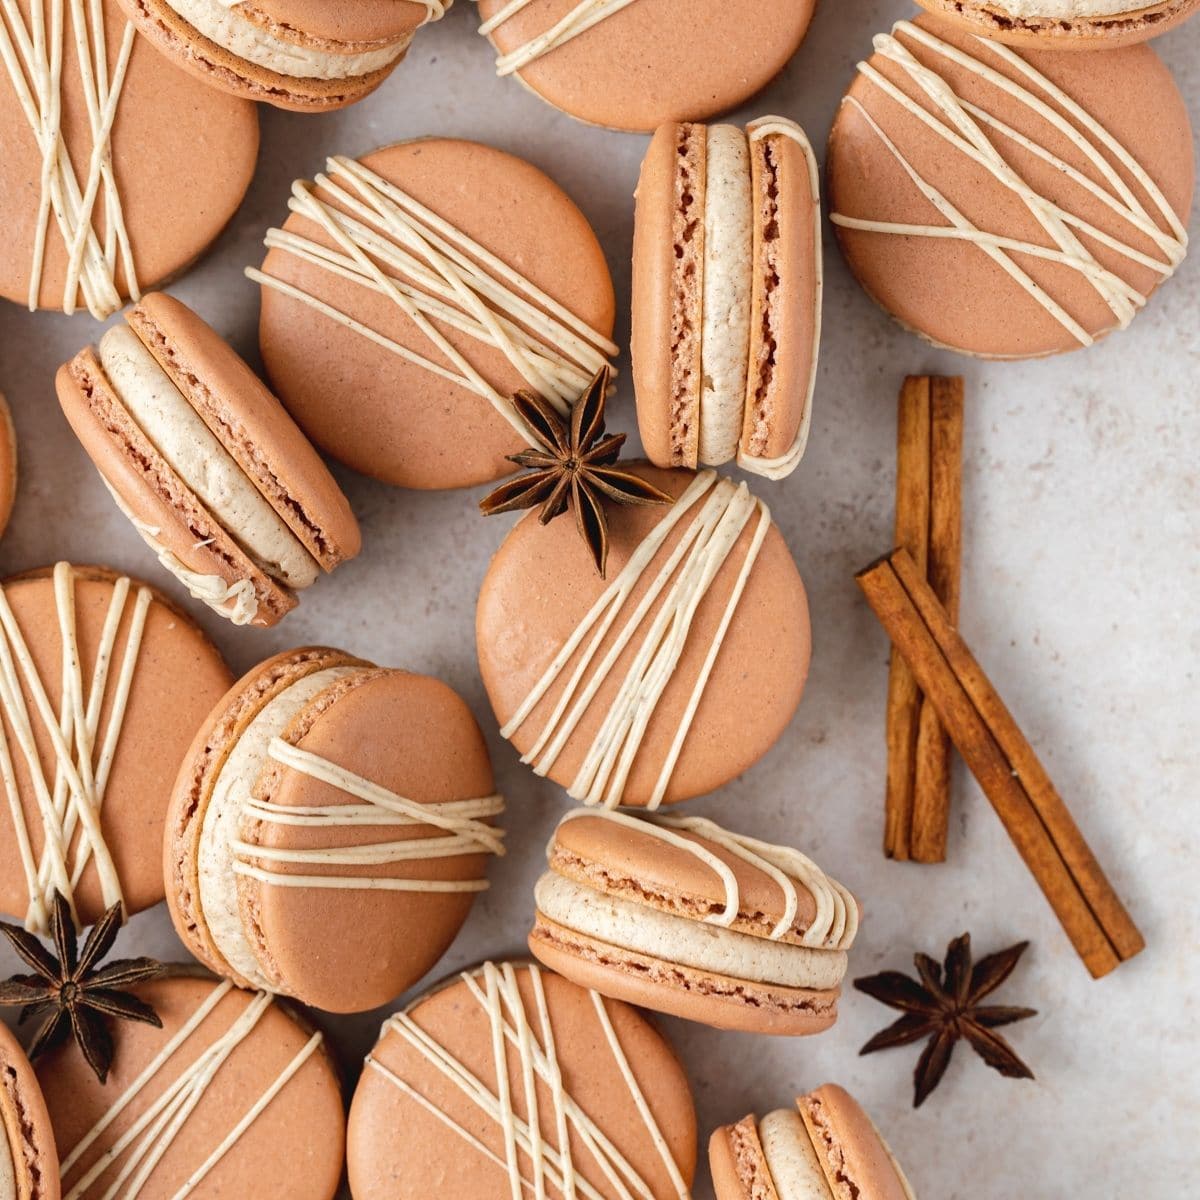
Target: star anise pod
(73,993)
(945,1006)
(575,467)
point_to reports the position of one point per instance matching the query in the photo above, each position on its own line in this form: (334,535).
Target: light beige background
(1082,574)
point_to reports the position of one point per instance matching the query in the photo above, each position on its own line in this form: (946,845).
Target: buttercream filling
(1062,10)
(686,943)
(8,1176)
(222,23)
(791,1160)
(220,829)
(180,435)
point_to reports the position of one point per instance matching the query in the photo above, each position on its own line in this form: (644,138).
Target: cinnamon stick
(1003,762)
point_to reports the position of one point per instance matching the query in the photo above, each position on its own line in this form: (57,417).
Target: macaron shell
(853,1155)
(8,464)
(398,1150)
(656,60)
(374,410)
(25,1124)
(177,677)
(251,424)
(182,154)
(344,950)
(347,21)
(737,1163)
(541,584)
(291,1151)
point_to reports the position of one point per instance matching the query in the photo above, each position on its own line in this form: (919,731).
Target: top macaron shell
(386,416)
(28,1158)
(653,61)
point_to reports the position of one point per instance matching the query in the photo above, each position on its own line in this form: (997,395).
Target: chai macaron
(151,163)
(236,1095)
(727,282)
(114,682)
(204,460)
(401,310)
(826,1148)
(304,55)
(8,464)
(508,1074)
(678,915)
(28,1158)
(329,830)
(1032,209)
(633,64)
(667,679)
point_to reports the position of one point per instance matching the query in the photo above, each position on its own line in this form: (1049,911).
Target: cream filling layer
(8,1177)
(686,943)
(180,435)
(222,23)
(1062,10)
(791,1160)
(216,857)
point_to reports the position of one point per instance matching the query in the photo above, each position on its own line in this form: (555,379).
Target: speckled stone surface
(1082,530)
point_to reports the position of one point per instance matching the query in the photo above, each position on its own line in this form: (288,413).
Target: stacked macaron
(1065,24)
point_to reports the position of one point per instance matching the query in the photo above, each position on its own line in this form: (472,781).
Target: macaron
(667,679)
(401,309)
(508,1079)
(151,164)
(727,295)
(206,463)
(304,55)
(633,64)
(114,681)
(1065,24)
(28,1159)
(8,464)
(329,830)
(681,916)
(1010,203)
(236,1095)
(826,1148)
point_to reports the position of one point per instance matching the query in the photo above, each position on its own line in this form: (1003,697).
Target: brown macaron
(158,185)
(305,55)
(206,463)
(727,283)
(633,64)
(8,464)
(623,710)
(401,310)
(142,678)
(236,1095)
(28,1159)
(681,916)
(330,829)
(508,1078)
(1031,208)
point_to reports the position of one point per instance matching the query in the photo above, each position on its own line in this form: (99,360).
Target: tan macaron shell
(177,678)
(542,582)
(399,1150)
(25,1126)
(373,409)
(291,1151)
(656,60)
(738,1165)
(8,464)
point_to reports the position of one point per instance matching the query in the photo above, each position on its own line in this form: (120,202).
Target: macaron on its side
(28,1158)
(8,464)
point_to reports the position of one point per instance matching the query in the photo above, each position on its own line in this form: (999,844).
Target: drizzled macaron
(679,915)
(727,295)
(28,1159)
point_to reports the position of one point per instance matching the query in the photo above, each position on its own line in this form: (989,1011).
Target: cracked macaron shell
(25,1126)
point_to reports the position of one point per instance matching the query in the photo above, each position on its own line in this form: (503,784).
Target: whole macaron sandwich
(206,463)
(304,55)
(329,830)
(727,283)
(826,1148)
(679,915)
(28,1158)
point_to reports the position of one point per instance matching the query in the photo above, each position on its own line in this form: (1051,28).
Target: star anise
(72,993)
(574,467)
(945,1006)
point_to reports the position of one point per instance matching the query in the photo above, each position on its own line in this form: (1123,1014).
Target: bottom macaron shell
(30,1170)
(737,1164)
(687,992)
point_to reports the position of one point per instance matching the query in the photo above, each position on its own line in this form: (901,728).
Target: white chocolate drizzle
(585,15)
(835,923)
(144,1144)
(389,243)
(511,1025)
(723,510)
(965,127)
(71,798)
(32,51)
(464,823)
